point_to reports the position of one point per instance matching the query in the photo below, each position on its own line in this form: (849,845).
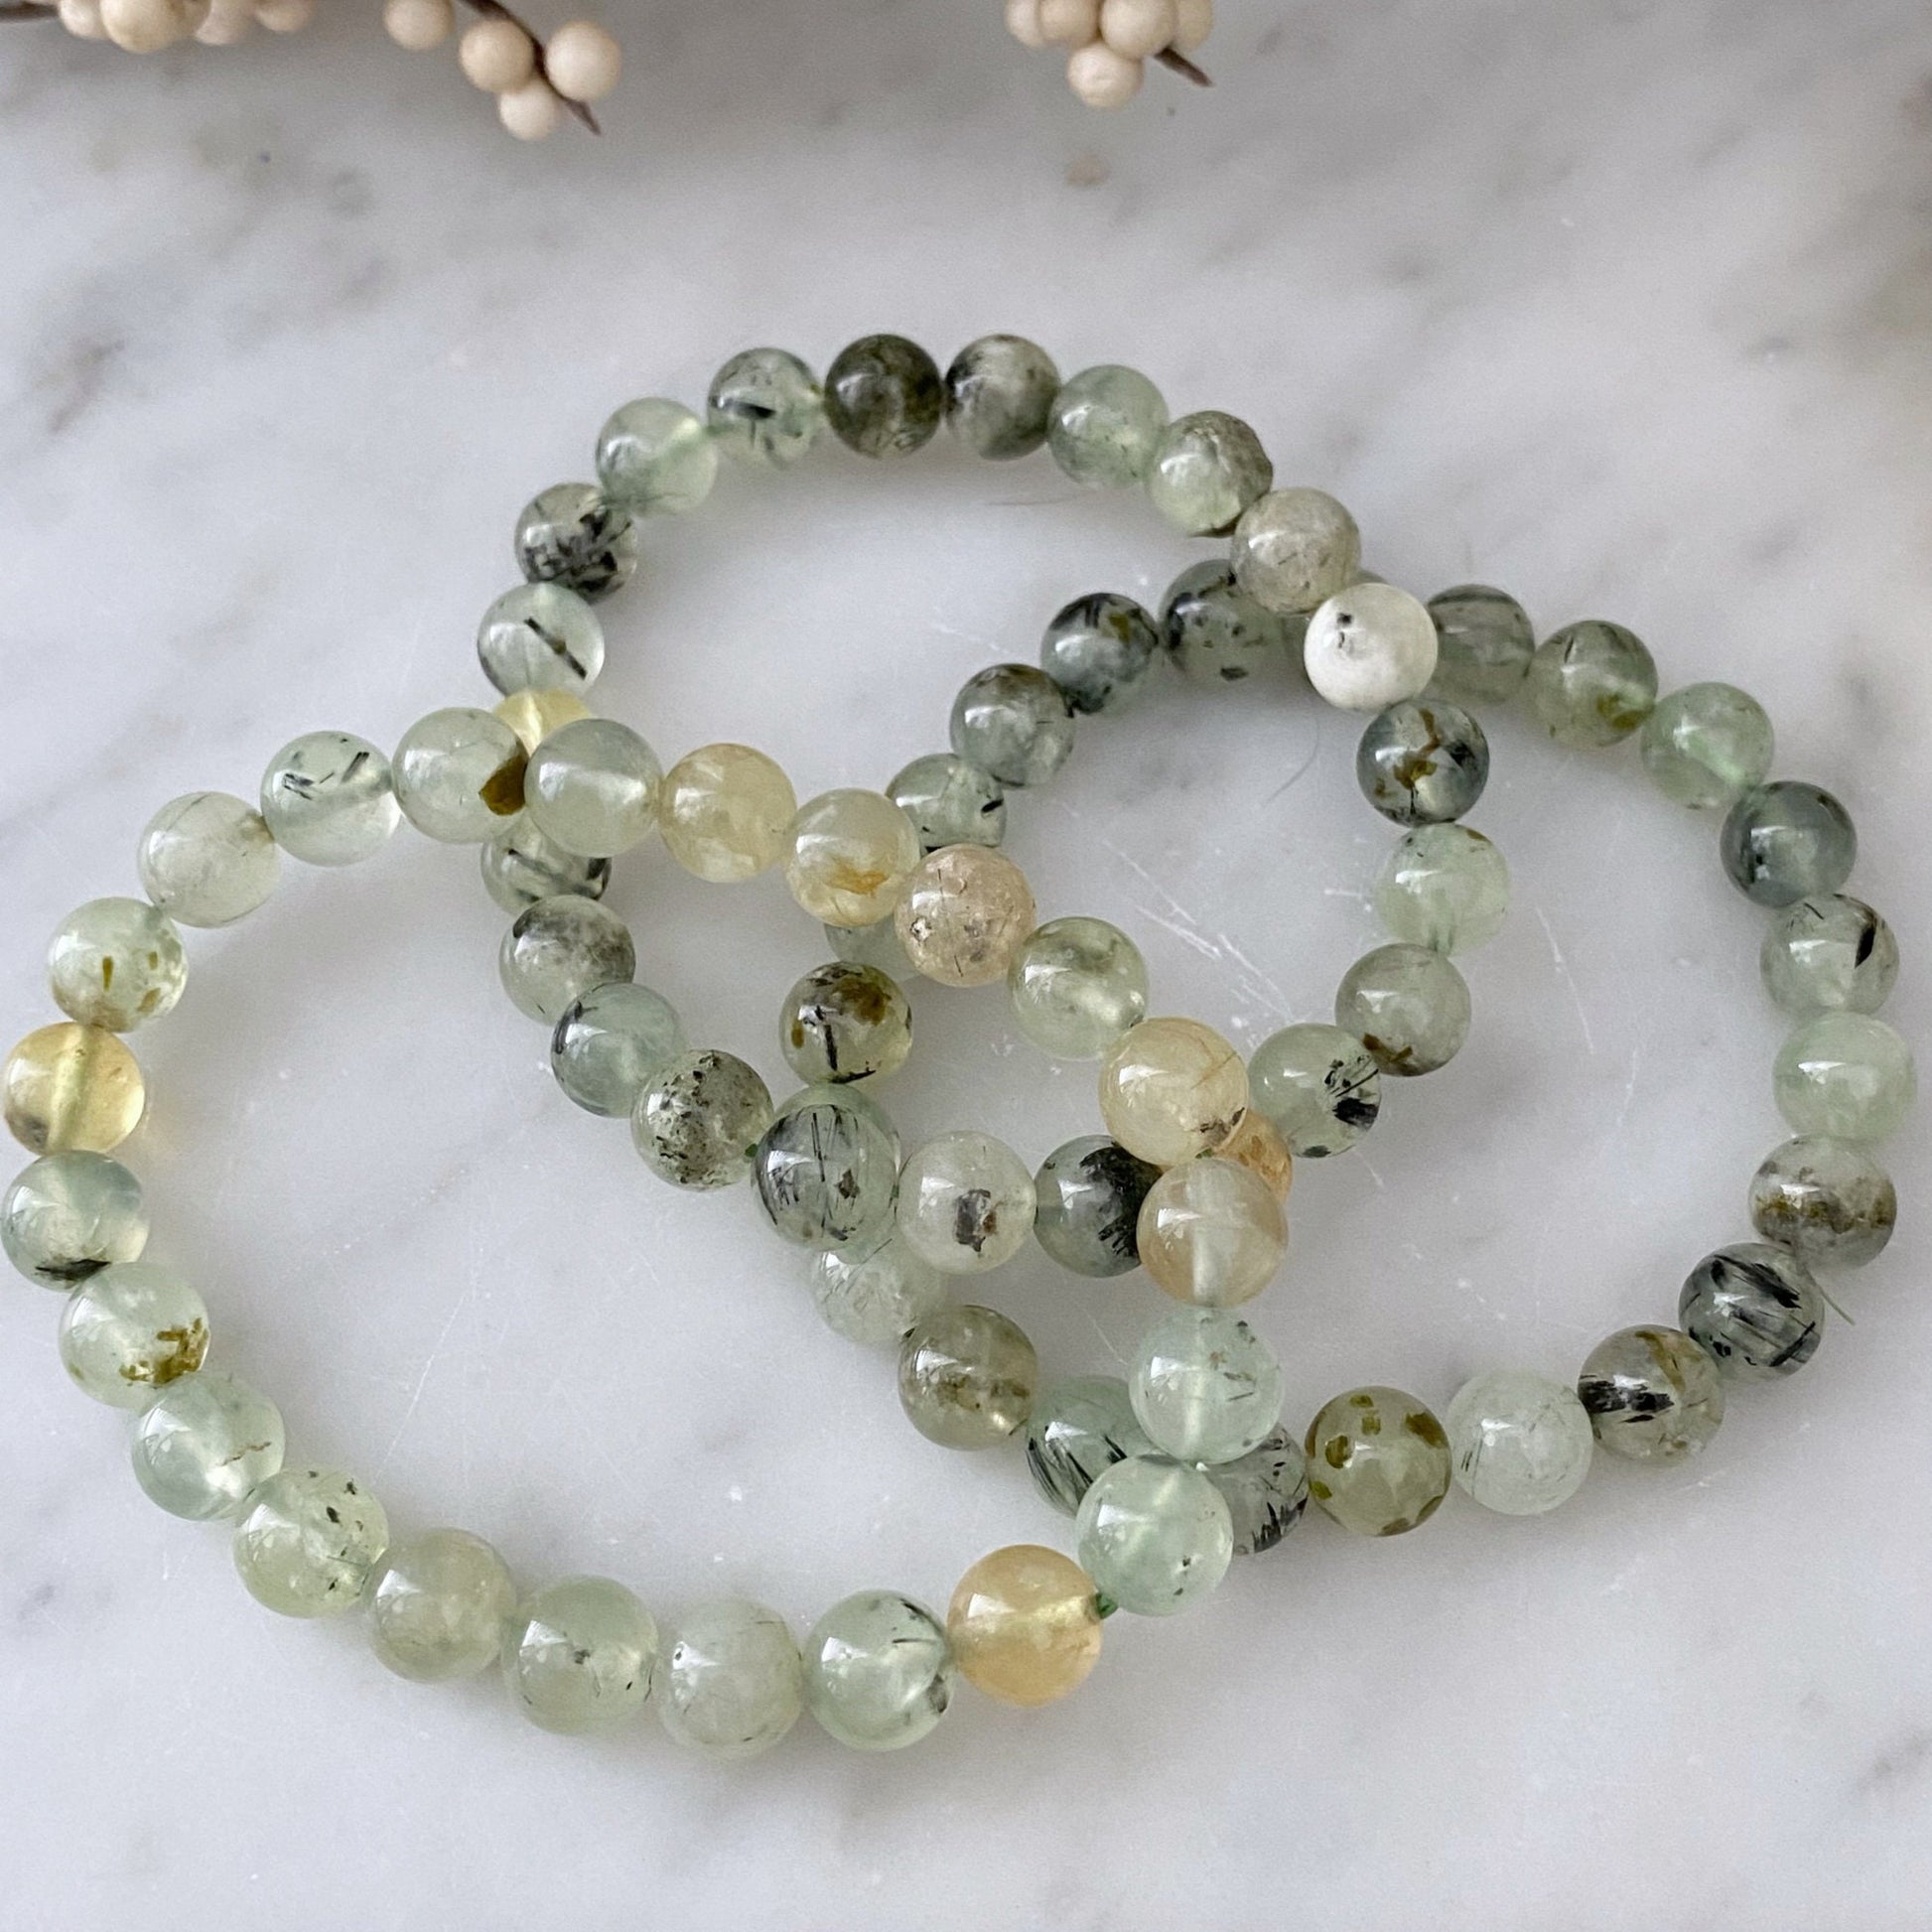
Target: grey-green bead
(206,858)
(950,801)
(1000,392)
(521,865)
(873,1293)
(827,1169)
(1591,684)
(611,1042)
(130,1329)
(879,1671)
(569,534)
(1423,761)
(1099,649)
(1828,1200)
(1484,644)
(309,1542)
(592,788)
(967,1377)
(1266,1492)
(1318,1085)
(1205,1387)
(68,1215)
(1408,1005)
(1206,470)
(330,799)
(459,775)
(843,1023)
(1446,887)
(540,637)
(1090,1192)
(1706,744)
(1015,723)
(578,1656)
(876,946)
(654,457)
(1078,1430)
(884,397)
(698,1123)
(966,1203)
(765,406)
(1846,1075)
(1154,1535)
(730,1681)
(116,963)
(1754,1310)
(1828,953)
(1105,425)
(1214,632)
(1653,1395)
(557,950)
(1787,841)
(1075,986)
(438,1605)
(202,1444)
(1293,549)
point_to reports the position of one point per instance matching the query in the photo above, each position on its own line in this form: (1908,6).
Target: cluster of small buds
(1110,42)
(535,81)
(147,26)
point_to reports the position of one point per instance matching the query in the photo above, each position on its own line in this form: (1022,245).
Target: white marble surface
(1625,306)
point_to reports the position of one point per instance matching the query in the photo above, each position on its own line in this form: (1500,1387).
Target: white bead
(228,22)
(1138,29)
(82,19)
(582,61)
(1069,22)
(1022,23)
(1195,20)
(418,24)
(496,56)
(285,16)
(1370,646)
(532,111)
(1101,77)
(146,26)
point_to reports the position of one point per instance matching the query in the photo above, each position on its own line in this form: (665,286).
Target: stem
(26,10)
(1172,58)
(495,9)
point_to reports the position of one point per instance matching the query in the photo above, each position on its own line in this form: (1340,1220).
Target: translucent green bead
(950,802)
(130,1329)
(871,945)
(1848,1076)
(1520,1444)
(879,1671)
(578,1656)
(843,1023)
(1014,722)
(884,397)
(592,788)
(202,1444)
(1206,470)
(1591,684)
(1266,1491)
(459,775)
(1653,1395)
(967,1377)
(1423,761)
(1000,392)
(730,1681)
(309,1542)
(1484,644)
(611,1042)
(1827,1201)
(557,950)
(1214,632)
(1105,426)
(1154,1535)
(540,637)
(827,1169)
(116,963)
(1293,549)
(68,1215)
(1754,1310)
(520,866)
(698,1123)
(966,1203)
(654,457)
(1378,1462)
(1706,744)
(765,406)
(1408,1006)
(1446,887)
(1787,841)
(208,860)
(872,1293)
(1077,985)
(1091,1194)
(1078,1430)
(1318,1086)
(438,1605)
(1099,649)
(569,534)
(1205,1387)
(1828,953)
(330,799)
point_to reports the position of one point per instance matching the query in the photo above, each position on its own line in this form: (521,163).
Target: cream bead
(82,19)
(531,113)
(418,24)
(848,856)
(964,912)
(1195,21)
(1370,646)
(582,61)
(1139,28)
(1172,1089)
(1069,22)
(723,811)
(1025,1625)
(229,22)
(146,26)
(1212,1233)
(285,16)
(1022,23)
(497,55)
(71,1087)
(1101,77)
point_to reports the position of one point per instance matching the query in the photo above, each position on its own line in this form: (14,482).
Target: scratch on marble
(1562,973)
(422,1380)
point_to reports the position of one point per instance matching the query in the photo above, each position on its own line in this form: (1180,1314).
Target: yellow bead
(534,714)
(1258,1146)
(1212,1233)
(1025,1625)
(1172,1089)
(848,856)
(722,812)
(964,913)
(72,1087)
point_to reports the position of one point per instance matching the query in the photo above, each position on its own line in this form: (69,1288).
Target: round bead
(1138,29)
(496,54)
(1105,426)
(1484,644)
(1265,1490)
(1591,684)
(1171,1089)
(1848,1076)
(202,1444)
(68,1215)
(227,23)
(1754,1310)
(1000,391)
(1446,887)
(1519,1443)
(1408,1006)
(1014,722)
(963,914)
(309,1542)
(654,457)
(418,24)
(1378,1462)
(1787,841)
(1101,77)
(1091,1194)
(1078,1430)
(1828,953)
(723,810)
(869,945)
(438,1605)
(1706,744)
(579,1655)
(330,799)
(131,1330)
(520,866)
(611,1042)
(879,1671)
(1293,549)
(827,1169)
(874,1292)
(208,860)
(730,1681)
(884,397)
(1653,1395)
(1257,1146)
(1206,1388)
(559,949)
(1423,761)
(1214,632)
(534,714)
(848,856)
(1829,1201)
(531,112)
(698,1123)
(1099,649)
(569,535)
(584,62)
(147,26)
(1077,985)
(765,406)
(1194,22)
(845,1023)
(1209,466)
(459,775)
(1369,646)
(1211,1232)
(592,788)
(82,19)
(967,1377)
(1025,1625)
(1154,1535)
(540,637)
(1069,23)
(950,801)
(966,1203)
(1318,1085)
(69,1087)
(116,963)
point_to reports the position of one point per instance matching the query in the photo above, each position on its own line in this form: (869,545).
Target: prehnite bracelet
(1169,1477)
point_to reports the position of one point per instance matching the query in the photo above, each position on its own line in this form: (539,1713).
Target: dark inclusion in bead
(884,397)
(1754,1310)
(1099,650)
(1265,1490)
(1000,393)
(1423,761)
(1090,1195)
(1787,841)
(571,536)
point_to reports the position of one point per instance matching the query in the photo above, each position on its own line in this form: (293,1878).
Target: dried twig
(495,9)
(1172,56)
(26,10)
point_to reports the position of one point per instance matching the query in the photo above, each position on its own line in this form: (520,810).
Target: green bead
(1014,722)
(655,458)
(1080,1429)
(1266,1491)
(765,406)
(1077,985)
(309,1542)
(730,1681)
(1591,684)
(610,1044)
(966,1203)
(438,1605)
(1848,1076)
(578,1656)
(698,1123)
(68,1215)
(1319,1087)
(1090,1192)
(1754,1310)
(116,963)
(1293,549)
(827,1169)
(879,1671)
(884,397)
(1446,887)
(1706,744)
(950,802)
(1787,841)
(520,866)
(1105,426)
(208,860)
(1099,649)
(843,1023)
(1408,1006)
(557,950)
(1214,632)
(1206,470)
(459,775)
(1827,1201)
(202,1444)
(876,946)
(1423,761)
(1378,1462)
(1828,953)
(967,1377)
(873,1293)
(330,799)
(1653,1395)
(1521,1444)
(569,534)
(1484,644)
(1205,1387)
(540,637)
(1000,392)
(130,1329)
(1154,1535)
(592,788)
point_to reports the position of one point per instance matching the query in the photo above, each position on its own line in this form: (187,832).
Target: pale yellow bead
(1025,1625)
(1258,1146)
(532,113)
(582,61)
(534,714)
(147,26)
(848,856)
(1212,1233)
(1069,22)
(963,914)
(228,23)
(82,19)
(1138,29)
(1172,1089)
(1101,77)
(285,16)
(1195,21)
(73,1089)
(724,811)
(1022,23)
(418,24)
(497,55)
